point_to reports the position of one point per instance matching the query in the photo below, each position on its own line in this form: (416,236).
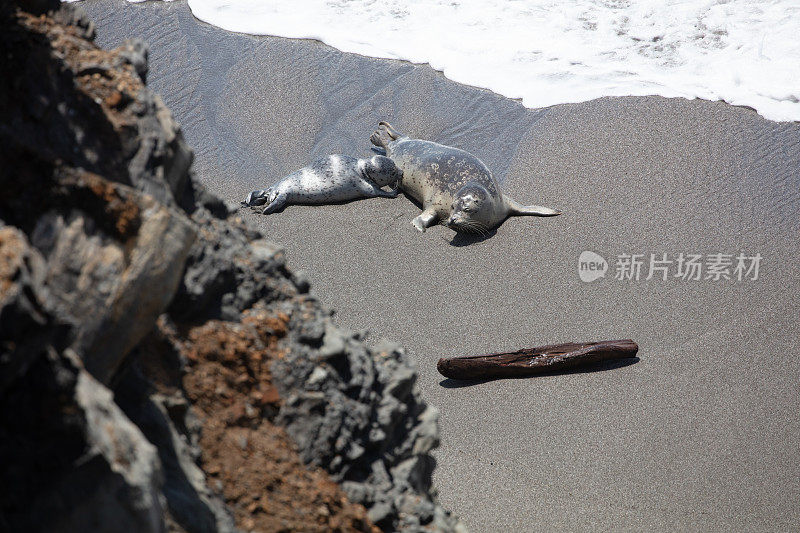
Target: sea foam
(745,52)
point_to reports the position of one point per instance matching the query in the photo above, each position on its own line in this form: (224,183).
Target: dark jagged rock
(352,410)
(88,260)
(71,460)
(230,268)
(113,255)
(98,115)
(27,327)
(102,230)
(358,412)
(110,288)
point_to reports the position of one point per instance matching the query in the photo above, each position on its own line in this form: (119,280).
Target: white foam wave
(745,52)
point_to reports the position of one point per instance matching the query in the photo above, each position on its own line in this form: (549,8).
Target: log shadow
(601,366)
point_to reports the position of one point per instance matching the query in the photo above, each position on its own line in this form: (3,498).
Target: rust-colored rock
(252,462)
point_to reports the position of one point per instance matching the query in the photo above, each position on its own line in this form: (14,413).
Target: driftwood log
(533,361)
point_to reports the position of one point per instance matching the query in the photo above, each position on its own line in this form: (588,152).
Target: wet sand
(701,434)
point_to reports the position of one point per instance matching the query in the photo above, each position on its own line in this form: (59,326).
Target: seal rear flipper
(380,138)
(393,133)
(276,203)
(518,210)
(384,135)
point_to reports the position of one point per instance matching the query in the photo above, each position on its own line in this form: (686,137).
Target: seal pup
(332,179)
(455,188)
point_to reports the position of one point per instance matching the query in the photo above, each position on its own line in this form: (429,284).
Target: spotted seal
(454,187)
(332,179)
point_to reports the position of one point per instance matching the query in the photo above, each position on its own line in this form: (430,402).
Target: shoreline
(710,52)
(698,434)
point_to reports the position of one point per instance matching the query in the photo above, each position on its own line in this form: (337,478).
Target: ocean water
(745,52)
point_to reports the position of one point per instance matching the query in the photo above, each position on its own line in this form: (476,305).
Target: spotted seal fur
(455,188)
(332,179)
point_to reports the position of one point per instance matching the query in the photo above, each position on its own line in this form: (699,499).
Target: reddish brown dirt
(252,462)
(11,248)
(113,88)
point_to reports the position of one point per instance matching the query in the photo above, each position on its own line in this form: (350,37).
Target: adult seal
(454,187)
(332,179)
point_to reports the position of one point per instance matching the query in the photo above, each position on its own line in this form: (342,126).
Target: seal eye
(471,205)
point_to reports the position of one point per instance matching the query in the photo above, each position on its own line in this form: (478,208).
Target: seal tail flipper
(380,138)
(519,210)
(384,135)
(276,203)
(393,133)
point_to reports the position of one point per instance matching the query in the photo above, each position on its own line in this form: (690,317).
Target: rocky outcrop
(72,460)
(88,261)
(160,366)
(353,410)
(85,168)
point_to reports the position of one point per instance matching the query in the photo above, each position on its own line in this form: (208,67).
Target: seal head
(381,170)
(472,211)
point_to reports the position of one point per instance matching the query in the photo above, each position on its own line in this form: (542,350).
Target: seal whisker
(467,226)
(475,227)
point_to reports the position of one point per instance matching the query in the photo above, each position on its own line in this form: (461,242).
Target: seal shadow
(460,240)
(602,366)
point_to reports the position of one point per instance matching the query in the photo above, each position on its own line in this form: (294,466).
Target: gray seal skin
(332,179)
(455,188)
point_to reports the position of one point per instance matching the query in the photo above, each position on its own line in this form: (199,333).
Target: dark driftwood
(533,361)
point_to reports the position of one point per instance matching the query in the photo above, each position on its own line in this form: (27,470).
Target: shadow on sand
(466,239)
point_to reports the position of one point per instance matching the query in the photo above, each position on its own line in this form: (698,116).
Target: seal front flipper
(426,219)
(276,204)
(518,210)
(257,197)
(371,189)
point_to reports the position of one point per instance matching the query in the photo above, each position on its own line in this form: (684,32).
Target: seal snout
(458,222)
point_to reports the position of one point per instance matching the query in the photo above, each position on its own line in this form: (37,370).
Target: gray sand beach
(701,434)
